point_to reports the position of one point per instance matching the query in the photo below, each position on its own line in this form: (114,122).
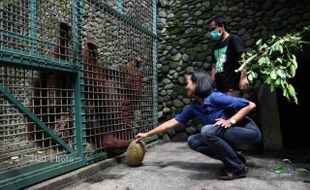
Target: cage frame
(27,176)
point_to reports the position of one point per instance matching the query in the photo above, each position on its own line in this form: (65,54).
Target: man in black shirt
(225,55)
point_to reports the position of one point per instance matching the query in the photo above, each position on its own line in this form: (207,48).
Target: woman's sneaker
(230,175)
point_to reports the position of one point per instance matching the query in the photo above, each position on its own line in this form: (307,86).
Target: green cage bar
(78,80)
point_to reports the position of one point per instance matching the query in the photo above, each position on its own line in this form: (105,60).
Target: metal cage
(77,79)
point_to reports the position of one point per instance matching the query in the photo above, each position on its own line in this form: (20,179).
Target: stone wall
(185,42)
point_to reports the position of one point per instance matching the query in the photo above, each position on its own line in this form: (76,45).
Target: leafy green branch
(274,62)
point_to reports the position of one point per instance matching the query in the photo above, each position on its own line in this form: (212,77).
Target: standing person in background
(225,54)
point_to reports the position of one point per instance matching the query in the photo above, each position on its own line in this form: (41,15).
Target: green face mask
(216,35)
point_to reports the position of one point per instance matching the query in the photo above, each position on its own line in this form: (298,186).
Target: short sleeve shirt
(225,55)
(216,105)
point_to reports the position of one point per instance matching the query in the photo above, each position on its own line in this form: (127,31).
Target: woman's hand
(140,136)
(222,123)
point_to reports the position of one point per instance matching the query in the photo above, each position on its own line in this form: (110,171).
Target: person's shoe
(230,175)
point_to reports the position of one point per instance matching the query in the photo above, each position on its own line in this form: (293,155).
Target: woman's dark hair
(203,81)
(219,21)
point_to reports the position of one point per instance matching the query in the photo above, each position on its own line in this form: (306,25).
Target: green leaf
(283,84)
(292,70)
(291,89)
(307,180)
(281,73)
(259,42)
(254,75)
(279,60)
(271,50)
(250,77)
(249,54)
(280,48)
(267,61)
(301,170)
(264,46)
(273,75)
(280,170)
(294,62)
(265,72)
(288,161)
(285,94)
(261,61)
(275,47)
(264,61)
(292,93)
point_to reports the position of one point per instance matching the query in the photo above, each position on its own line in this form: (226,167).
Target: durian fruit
(135,153)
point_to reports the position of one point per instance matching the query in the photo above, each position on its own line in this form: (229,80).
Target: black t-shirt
(225,55)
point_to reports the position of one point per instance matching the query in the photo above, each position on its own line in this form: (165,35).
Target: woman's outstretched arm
(163,127)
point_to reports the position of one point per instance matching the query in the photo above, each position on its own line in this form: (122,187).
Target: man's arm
(244,83)
(213,72)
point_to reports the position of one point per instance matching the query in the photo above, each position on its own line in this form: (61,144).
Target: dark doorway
(294,119)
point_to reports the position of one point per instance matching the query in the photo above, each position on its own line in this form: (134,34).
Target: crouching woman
(227,128)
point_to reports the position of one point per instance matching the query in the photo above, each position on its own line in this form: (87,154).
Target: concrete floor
(174,166)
